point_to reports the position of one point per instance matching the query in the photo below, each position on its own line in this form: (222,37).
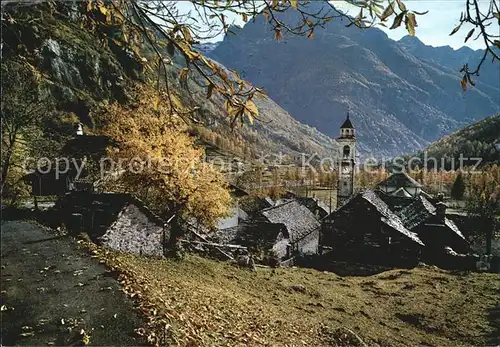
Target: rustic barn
(365,230)
(432,226)
(48,183)
(284,230)
(302,227)
(117,221)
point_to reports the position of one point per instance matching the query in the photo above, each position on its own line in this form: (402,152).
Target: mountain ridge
(399,102)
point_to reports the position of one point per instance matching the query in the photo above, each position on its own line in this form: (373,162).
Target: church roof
(400,179)
(347,124)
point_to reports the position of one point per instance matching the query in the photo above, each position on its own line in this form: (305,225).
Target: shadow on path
(52,290)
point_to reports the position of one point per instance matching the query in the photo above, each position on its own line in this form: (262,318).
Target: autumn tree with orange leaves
(160,162)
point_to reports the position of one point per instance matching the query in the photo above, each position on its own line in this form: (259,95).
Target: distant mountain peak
(405,93)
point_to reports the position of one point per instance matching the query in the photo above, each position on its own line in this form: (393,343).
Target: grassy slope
(214,303)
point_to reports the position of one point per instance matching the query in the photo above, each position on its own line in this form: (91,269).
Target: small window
(346,151)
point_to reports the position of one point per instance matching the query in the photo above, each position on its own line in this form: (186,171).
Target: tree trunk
(8,158)
(5,169)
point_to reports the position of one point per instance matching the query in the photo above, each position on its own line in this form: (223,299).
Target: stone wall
(134,232)
(280,247)
(309,244)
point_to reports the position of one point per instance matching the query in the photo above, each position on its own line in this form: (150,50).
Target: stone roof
(92,145)
(314,205)
(387,216)
(297,218)
(450,224)
(111,204)
(419,211)
(400,179)
(394,202)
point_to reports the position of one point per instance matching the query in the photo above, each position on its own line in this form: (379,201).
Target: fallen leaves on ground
(201,302)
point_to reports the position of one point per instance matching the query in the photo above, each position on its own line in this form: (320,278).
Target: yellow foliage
(160,162)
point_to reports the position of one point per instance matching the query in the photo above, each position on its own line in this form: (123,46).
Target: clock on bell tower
(346,162)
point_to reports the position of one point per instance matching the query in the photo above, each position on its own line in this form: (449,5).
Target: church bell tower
(346,162)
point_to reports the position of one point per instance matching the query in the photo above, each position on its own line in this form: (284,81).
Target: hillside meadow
(201,302)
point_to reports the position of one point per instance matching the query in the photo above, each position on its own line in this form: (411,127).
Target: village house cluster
(397,223)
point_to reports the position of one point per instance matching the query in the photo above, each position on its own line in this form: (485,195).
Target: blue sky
(433,28)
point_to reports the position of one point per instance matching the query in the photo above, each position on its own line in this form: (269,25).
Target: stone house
(365,230)
(434,228)
(117,221)
(47,181)
(286,229)
(299,228)
(411,212)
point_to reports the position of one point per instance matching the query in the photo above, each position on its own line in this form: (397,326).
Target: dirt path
(51,291)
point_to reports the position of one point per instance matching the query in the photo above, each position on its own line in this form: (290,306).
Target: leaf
(401,5)
(244,16)
(496,15)
(411,23)
(469,34)
(294,3)
(310,35)
(250,118)
(463,82)
(457,28)
(278,35)
(388,11)
(27,334)
(250,106)
(231,110)
(102,9)
(266,15)
(191,55)
(187,34)
(398,20)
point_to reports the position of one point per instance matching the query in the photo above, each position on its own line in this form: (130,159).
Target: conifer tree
(458,188)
